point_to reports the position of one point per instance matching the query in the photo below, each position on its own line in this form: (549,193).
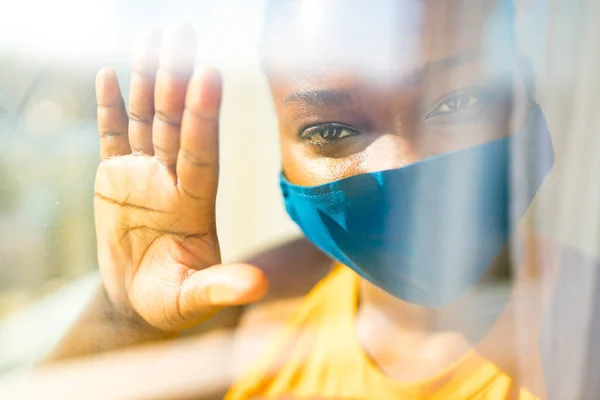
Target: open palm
(156,187)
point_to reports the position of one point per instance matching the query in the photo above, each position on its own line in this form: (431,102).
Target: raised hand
(156,187)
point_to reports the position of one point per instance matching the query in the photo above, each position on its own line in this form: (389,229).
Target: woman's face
(367,86)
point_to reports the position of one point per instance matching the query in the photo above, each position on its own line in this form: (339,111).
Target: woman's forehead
(385,39)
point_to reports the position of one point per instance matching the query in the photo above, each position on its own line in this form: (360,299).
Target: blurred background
(49,54)
(49,144)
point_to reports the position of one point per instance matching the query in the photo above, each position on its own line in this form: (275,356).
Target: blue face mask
(427,232)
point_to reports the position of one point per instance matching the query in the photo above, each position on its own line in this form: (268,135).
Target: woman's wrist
(127,320)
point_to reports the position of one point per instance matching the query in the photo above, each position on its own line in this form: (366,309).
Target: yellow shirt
(318,355)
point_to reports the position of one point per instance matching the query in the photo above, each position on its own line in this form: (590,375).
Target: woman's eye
(456,103)
(327,134)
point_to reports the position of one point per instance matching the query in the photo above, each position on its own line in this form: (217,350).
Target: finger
(198,161)
(141,94)
(112,116)
(224,285)
(175,66)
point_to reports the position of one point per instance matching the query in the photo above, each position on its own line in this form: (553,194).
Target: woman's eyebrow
(420,74)
(341,97)
(328,97)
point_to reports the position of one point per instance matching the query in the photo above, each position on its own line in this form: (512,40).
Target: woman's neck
(411,343)
(425,341)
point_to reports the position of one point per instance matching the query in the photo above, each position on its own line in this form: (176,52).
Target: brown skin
(156,190)
(158,250)
(159,255)
(386,126)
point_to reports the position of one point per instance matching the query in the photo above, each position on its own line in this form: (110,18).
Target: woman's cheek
(389,151)
(302,167)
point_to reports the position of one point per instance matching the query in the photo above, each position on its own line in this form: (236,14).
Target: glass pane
(414,181)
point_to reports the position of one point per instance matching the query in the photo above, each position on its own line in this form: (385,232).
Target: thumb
(208,290)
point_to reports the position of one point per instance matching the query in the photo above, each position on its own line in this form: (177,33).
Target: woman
(400,124)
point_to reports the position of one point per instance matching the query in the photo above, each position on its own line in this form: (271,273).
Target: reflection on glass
(433,157)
